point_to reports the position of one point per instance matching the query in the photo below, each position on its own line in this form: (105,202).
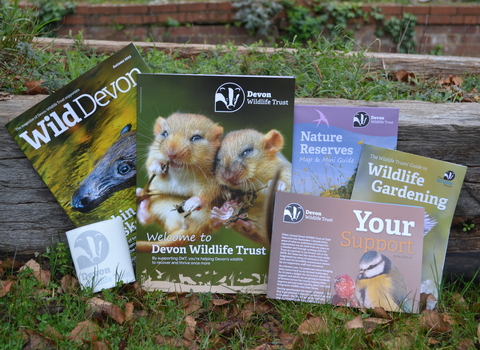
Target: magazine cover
(390,176)
(328,141)
(81,140)
(212,151)
(346,252)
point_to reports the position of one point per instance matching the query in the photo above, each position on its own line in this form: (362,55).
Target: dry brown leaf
(478,333)
(5,287)
(466,344)
(220,302)
(40,275)
(129,308)
(191,326)
(99,306)
(34,88)
(190,304)
(68,283)
(357,322)
(85,331)
(432,321)
(36,340)
(178,343)
(404,76)
(287,340)
(98,345)
(313,325)
(381,313)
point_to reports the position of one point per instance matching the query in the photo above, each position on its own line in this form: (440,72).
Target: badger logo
(361,119)
(229,98)
(94,247)
(293,213)
(449,175)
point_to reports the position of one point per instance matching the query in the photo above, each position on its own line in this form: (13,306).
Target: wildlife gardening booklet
(81,140)
(212,150)
(390,176)
(328,141)
(346,252)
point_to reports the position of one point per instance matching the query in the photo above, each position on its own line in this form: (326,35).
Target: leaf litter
(213,321)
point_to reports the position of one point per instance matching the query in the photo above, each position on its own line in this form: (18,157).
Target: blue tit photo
(380,283)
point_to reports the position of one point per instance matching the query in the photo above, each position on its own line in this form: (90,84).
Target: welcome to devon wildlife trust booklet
(209,147)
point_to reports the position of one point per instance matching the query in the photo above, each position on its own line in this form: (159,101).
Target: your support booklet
(390,176)
(209,148)
(328,141)
(81,140)
(346,252)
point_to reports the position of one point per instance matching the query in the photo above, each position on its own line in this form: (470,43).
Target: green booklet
(346,252)
(209,148)
(389,176)
(81,140)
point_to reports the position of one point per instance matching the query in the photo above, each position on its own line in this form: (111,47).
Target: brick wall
(456,28)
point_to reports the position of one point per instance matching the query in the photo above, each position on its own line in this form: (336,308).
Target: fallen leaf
(36,340)
(478,333)
(129,308)
(191,326)
(404,76)
(40,275)
(68,283)
(466,344)
(357,322)
(190,304)
(84,331)
(5,287)
(432,321)
(35,87)
(381,313)
(313,325)
(98,306)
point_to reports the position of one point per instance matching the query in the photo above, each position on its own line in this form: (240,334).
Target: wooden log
(31,218)
(426,66)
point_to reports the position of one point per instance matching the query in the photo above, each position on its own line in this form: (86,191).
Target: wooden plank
(31,218)
(426,66)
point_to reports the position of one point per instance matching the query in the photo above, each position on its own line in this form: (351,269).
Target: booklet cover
(81,140)
(346,252)
(210,148)
(328,141)
(390,176)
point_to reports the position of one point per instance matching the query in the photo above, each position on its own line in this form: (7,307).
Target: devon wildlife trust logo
(229,98)
(94,247)
(293,213)
(361,119)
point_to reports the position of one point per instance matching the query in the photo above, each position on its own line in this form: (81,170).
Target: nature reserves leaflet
(390,176)
(346,252)
(328,141)
(209,147)
(81,140)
